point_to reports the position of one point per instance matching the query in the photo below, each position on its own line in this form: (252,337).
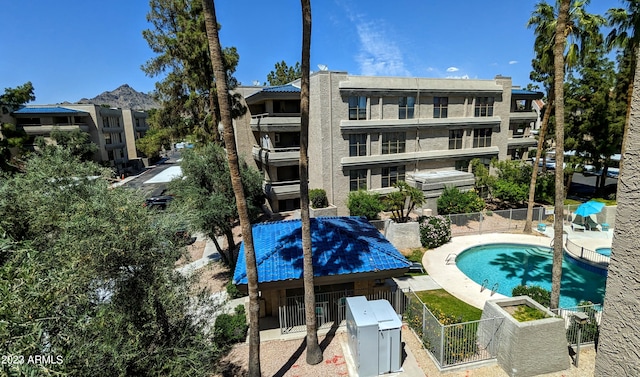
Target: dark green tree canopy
(207,193)
(16,97)
(187,92)
(88,274)
(284,74)
(595,115)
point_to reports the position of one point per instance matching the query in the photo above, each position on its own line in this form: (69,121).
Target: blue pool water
(604,251)
(511,265)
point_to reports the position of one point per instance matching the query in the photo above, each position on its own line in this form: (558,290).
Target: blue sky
(72,49)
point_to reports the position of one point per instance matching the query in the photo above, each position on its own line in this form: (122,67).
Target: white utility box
(374,336)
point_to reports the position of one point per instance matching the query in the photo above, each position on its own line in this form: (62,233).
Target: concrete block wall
(524,349)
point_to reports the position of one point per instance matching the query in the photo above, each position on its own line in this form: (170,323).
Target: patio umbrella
(589,208)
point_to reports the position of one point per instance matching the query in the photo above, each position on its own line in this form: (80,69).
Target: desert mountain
(124,97)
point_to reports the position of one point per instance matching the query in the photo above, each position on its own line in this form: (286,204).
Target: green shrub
(233,291)
(318,198)
(231,328)
(434,231)
(537,294)
(526,313)
(453,201)
(363,203)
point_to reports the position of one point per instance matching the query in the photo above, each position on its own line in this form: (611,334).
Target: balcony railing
(276,156)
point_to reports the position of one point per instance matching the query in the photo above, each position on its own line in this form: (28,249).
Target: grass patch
(608,202)
(526,313)
(443,301)
(415,255)
(571,202)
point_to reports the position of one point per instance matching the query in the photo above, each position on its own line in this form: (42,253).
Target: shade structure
(589,208)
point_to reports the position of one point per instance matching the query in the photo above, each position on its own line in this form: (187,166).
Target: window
(286,107)
(393,142)
(107,139)
(288,204)
(110,155)
(117,122)
(455,139)
(137,122)
(406,106)
(391,175)
(484,107)
(287,140)
(357,108)
(105,121)
(462,165)
(440,107)
(288,173)
(357,179)
(482,137)
(358,145)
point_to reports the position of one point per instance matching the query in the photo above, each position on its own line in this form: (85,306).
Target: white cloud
(513,62)
(378,54)
(453,69)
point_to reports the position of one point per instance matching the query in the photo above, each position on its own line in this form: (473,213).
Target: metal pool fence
(588,331)
(449,343)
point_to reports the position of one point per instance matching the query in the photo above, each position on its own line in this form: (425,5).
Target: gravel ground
(286,358)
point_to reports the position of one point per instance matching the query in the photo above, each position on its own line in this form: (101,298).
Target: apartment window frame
(456,138)
(406,107)
(394,142)
(357,145)
(440,107)
(357,107)
(462,165)
(358,179)
(482,137)
(108,139)
(391,175)
(484,106)
(105,121)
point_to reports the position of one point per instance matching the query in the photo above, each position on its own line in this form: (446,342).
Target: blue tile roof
(47,110)
(289,88)
(341,245)
(527,92)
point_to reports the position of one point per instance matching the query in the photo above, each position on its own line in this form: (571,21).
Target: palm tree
(220,75)
(558,63)
(581,26)
(314,352)
(624,35)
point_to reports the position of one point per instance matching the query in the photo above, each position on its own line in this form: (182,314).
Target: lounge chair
(591,224)
(577,227)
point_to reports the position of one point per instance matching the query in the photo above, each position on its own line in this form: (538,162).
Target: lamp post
(580,318)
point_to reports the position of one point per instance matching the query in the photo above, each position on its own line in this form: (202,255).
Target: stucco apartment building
(113,130)
(368,132)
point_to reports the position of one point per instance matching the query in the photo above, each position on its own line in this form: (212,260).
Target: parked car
(158,202)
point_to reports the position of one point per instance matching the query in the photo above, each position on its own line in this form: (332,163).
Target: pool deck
(441,267)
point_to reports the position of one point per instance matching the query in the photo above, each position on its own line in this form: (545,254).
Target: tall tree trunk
(558,61)
(627,119)
(618,344)
(314,352)
(534,170)
(220,75)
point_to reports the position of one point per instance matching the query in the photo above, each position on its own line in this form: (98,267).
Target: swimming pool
(606,251)
(510,265)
